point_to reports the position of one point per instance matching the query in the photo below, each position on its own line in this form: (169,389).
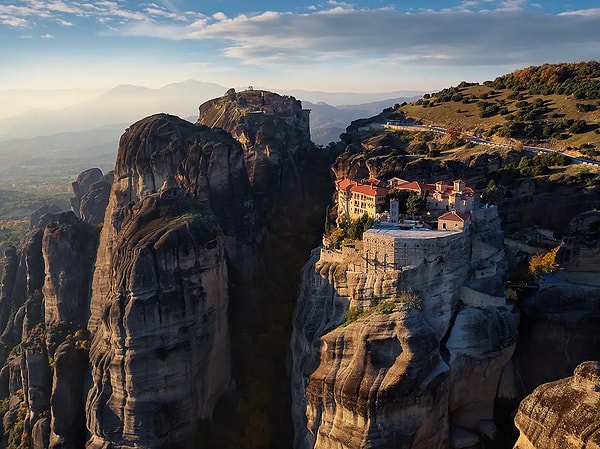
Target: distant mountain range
(88,132)
(126,104)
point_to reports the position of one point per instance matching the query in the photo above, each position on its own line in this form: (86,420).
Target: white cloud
(13,21)
(480,32)
(47,36)
(582,12)
(64,12)
(505,35)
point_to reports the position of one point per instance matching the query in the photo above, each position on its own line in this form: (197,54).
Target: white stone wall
(383,252)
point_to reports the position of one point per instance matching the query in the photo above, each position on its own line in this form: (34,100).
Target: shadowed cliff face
(180,206)
(56,266)
(191,242)
(558,331)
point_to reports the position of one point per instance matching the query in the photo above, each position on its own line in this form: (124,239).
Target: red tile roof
(418,186)
(349,185)
(415,186)
(454,216)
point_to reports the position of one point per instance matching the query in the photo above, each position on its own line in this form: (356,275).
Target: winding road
(407,126)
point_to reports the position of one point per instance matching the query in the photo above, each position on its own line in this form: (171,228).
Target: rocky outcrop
(450,344)
(381,382)
(91,191)
(388,158)
(37,215)
(274,139)
(562,414)
(188,245)
(180,207)
(481,343)
(57,262)
(547,205)
(580,249)
(11,266)
(67,402)
(69,249)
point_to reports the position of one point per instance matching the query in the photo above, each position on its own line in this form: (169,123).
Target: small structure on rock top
(453,221)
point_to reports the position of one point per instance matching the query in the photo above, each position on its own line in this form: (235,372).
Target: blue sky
(363,46)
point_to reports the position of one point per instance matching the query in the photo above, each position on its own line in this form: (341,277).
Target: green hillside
(553,105)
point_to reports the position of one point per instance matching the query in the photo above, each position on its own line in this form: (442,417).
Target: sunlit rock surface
(160,350)
(562,414)
(440,357)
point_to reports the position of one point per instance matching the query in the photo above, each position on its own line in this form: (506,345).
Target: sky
(331,46)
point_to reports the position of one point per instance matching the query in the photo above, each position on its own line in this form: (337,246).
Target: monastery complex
(450,204)
(394,243)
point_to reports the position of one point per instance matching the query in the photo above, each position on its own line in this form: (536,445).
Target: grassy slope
(468,119)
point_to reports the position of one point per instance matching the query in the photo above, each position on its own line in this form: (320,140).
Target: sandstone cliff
(562,414)
(273,131)
(448,342)
(160,350)
(91,191)
(198,232)
(49,300)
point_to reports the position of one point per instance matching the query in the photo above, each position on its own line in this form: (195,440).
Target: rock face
(558,332)
(449,343)
(91,190)
(580,251)
(380,383)
(48,287)
(122,338)
(67,402)
(273,131)
(69,250)
(11,267)
(36,216)
(559,323)
(160,350)
(562,414)
(387,158)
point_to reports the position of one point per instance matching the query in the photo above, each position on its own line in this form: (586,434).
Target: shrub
(385,307)
(544,263)
(411,299)
(350,317)
(357,227)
